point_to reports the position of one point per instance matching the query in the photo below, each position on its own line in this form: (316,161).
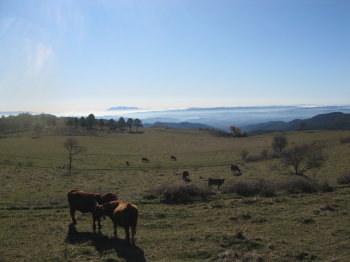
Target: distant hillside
(331,121)
(182,125)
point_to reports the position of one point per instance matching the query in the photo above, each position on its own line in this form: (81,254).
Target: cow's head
(109,197)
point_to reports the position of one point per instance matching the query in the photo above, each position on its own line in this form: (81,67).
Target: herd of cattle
(185,174)
(123,214)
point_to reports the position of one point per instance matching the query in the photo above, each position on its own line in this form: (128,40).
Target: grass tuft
(344,178)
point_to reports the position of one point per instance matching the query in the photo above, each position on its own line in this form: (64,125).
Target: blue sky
(85,55)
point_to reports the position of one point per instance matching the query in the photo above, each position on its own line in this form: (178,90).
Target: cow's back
(83,201)
(126,214)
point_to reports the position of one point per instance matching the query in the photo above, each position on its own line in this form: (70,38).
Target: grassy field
(227,227)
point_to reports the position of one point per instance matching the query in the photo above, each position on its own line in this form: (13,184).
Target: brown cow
(172,158)
(86,203)
(145,160)
(127,163)
(215,181)
(123,214)
(185,175)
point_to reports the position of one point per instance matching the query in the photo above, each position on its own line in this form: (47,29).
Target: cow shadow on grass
(104,244)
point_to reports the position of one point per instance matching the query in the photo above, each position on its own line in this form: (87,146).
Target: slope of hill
(331,121)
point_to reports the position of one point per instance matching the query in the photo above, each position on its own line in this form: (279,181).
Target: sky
(89,55)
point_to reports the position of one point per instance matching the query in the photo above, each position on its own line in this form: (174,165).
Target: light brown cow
(123,214)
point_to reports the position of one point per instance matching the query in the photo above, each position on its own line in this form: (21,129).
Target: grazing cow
(123,214)
(127,163)
(235,169)
(215,181)
(86,203)
(145,160)
(172,158)
(185,175)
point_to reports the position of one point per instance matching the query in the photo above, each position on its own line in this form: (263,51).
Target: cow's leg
(72,215)
(94,218)
(115,229)
(133,233)
(94,223)
(99,225)
(127,234)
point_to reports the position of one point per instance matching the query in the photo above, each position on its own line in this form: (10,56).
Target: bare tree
(73,148)
(279,142)
(303,158)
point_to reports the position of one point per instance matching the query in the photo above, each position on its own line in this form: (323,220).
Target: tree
(130,124)
(111,124)
(304,157)
(121,123)
(69,122)
(137,123)
(279,142)
(73,148)
(90,121)
(237,132)
(76,122)
(101,123)
(37,130)
(82,121)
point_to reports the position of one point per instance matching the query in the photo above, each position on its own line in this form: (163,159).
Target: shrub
(279,142)
(251,188)
(295,185)
(344,178)
(344,140)
(180,193)
(291,185)
(264,153)
(303,158)
(324,187)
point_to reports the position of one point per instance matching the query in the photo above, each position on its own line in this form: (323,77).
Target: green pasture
(35,220)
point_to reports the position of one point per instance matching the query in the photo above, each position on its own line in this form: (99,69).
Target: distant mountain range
(223,117)
(336,120)
(247,118)
(121,108)
(182,125)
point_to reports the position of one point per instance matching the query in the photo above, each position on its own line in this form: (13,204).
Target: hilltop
(330,121)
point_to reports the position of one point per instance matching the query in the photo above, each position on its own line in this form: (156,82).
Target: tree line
(90,122)
(27,122)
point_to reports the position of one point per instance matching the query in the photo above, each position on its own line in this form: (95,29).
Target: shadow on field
(104,243)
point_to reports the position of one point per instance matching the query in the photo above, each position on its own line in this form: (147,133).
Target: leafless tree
(73,148)
(304,157)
